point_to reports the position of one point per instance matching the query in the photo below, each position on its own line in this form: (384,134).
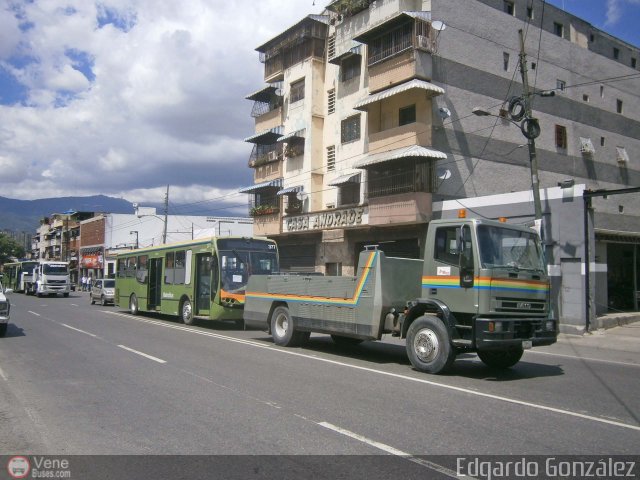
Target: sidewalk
(623,337)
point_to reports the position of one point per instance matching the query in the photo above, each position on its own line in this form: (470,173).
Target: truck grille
(520,305)
(56,282)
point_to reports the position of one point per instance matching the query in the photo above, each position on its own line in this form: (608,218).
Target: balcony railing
(264,154)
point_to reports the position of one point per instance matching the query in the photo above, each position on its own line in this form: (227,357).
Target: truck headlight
(550,325)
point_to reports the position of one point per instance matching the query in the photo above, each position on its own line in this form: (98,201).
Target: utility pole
(166,215)
(529,124)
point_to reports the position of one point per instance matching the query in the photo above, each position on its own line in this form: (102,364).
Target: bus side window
(168,268)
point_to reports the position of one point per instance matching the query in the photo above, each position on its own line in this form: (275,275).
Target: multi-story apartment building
(365,132)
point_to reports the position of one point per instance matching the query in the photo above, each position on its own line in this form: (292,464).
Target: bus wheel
(133,304)
(428,345)
(500,358)
(187,313)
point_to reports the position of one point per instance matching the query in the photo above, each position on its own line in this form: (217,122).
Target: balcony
(267,224)
(402,136)
(399,49)
(400,208)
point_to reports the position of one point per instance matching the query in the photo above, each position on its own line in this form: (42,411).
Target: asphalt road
(80,379)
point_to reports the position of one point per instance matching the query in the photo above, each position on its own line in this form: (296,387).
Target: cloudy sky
(122,97)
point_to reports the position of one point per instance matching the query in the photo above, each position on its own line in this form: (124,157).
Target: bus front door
(155,282)
(203,283)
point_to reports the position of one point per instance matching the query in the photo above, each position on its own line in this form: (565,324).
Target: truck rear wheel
(428,345)
(3,329)
(282,329)
(501,358)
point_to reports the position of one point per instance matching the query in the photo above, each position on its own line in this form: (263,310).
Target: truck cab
(487,282)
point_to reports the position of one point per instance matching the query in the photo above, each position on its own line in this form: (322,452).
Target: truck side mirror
(467,272)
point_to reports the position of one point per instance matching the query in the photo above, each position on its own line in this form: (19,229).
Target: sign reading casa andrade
(348,217)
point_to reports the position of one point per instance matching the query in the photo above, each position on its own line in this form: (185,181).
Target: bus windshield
(55,269)
(508,248)
(240,258)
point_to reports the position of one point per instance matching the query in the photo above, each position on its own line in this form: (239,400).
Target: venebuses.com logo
(18,467)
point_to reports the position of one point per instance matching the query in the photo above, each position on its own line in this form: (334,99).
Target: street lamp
(136,232)
(530,129)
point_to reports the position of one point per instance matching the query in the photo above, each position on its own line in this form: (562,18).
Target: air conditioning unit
(272,156)
(586,146)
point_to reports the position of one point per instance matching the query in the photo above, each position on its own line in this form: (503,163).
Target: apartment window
(509,8)
(349,193)
(533,65)
(616,53)
(558,29)
(602,141)
(407,115)
(390,43)
(297,91)
(331,101)
(634,63)
(561,85)
(350,68)
(505,61)
(561,137)
(585,97)
(619,105)
(350,129)
(601,91)
(331,158)
(592,38)
(530,13)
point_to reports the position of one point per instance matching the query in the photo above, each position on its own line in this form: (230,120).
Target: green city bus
(197,279)
(14,273)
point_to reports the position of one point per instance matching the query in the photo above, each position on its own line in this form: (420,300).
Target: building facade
(365,132)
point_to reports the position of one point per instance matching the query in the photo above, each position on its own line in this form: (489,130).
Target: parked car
(5,307)
(103,291)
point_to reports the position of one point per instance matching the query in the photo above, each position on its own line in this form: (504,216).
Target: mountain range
(25,215)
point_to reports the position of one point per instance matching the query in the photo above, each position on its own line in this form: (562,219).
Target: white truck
(5,307)
(48,278)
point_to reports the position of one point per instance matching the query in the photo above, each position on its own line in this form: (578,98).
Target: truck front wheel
(428,345)
(501,358)
(282,329)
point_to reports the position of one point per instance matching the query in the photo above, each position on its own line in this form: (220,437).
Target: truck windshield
(54,269)
(507,248)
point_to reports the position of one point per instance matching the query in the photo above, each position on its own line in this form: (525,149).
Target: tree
(9,249)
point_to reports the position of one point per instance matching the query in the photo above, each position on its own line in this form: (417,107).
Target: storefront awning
(288,190)
(429,87)
(350,178)
(298,134)
(266,137)
(414,151)
(277,183)
(90,250)
(617,236)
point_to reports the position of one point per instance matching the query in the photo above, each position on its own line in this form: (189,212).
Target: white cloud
(154,98)
(616,9)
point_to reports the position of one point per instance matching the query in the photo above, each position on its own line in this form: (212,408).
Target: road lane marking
(150,357)
(78,330)
(391,450)
(34,313)
(74,304)
(274,348)
(588,359)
